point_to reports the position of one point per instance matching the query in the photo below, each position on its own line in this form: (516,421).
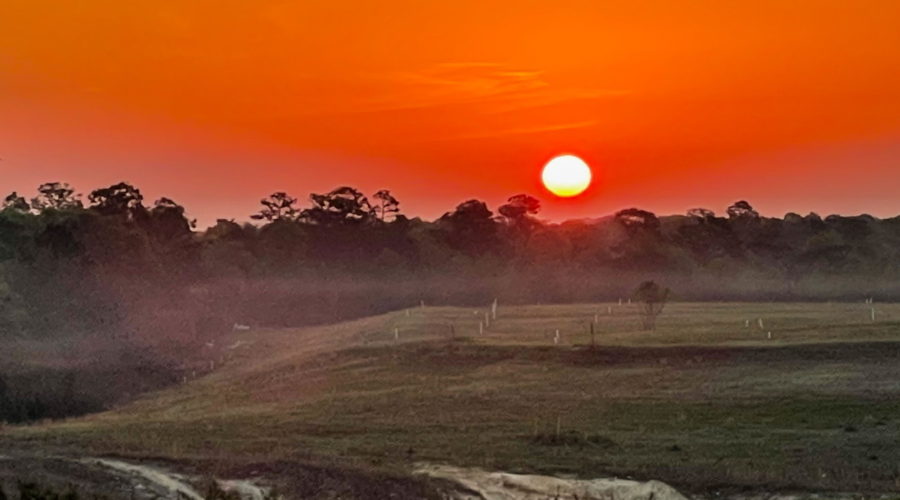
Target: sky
(793,106)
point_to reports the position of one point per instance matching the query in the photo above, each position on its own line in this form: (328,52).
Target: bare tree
(651,299)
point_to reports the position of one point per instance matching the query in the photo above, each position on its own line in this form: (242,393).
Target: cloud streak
(522,131)
(494,86)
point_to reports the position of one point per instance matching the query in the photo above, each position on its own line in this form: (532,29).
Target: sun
(566,176)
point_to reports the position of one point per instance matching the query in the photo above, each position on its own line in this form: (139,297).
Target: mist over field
(132,288)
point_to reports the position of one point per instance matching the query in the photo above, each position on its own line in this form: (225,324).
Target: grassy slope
(701,402)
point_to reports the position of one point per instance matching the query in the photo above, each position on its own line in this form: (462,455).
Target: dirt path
(114,479)
(170,483)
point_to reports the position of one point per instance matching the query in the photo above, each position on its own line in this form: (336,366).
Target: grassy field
(704,402)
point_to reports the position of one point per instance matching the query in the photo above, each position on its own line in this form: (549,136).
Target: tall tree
(386,206)
(56,196)
(278,206)
(644,246)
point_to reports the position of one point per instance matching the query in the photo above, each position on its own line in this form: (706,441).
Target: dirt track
(110,478)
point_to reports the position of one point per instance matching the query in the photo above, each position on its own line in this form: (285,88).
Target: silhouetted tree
(701,213)
(471,226)
(169,221)
(277,206)
(386,206)
(15,203)
(56,196)
(282,245)
(519,209)
(637,220)
(742,210)
(227,249)
(651,299)
(225,229)
(62,236)
(118,199)
(342,205)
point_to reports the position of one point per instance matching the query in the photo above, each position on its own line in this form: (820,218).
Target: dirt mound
(503,486)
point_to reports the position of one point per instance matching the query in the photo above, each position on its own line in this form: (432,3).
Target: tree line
(114,262)
(146,289)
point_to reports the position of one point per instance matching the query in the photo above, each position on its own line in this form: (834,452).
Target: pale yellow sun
(566,176)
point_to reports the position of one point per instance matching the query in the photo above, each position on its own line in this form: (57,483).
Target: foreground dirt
(115,478)
(103,477)
(118,478)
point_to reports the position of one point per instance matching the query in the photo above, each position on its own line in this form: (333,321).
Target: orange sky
(791,105)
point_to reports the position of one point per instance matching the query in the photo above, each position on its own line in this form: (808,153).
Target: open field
(702,403)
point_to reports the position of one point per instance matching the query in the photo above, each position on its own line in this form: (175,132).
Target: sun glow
(566,176)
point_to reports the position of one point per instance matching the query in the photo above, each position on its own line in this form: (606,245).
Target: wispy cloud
(522,130)
(461,83)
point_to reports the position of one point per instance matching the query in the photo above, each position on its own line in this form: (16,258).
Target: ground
(705,402)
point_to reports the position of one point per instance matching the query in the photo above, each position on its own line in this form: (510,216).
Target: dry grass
(703,402)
